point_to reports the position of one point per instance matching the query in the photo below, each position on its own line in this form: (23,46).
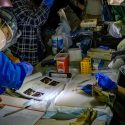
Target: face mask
(8,33)
(2,40)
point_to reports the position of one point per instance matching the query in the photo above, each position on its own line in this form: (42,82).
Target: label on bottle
(60,43)
(54,44)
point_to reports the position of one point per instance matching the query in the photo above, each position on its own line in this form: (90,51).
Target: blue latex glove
(87,89)
(11,74)
(48,3)
(28,67)
(105,82)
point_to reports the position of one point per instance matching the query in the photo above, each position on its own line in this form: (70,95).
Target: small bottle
(60,43)
(54,44)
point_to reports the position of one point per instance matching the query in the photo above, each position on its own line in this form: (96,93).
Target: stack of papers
(25,117)
(41,88)
(100,53)
(88,23)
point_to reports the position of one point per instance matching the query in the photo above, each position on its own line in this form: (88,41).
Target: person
(11,74)
(30,17)
(80,4)
(118,105)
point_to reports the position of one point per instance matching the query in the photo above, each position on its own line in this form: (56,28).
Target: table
(68,100)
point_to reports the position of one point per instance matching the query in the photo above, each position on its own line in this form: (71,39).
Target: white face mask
(2,40)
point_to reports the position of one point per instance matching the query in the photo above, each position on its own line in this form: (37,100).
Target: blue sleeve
(11,74)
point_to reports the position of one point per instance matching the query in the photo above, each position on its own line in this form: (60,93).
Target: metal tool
(76,89)
(18,110)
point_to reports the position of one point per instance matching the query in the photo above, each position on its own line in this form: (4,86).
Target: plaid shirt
(29,46)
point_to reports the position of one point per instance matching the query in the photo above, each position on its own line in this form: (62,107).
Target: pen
(13,112)
(80,85)
(84,81)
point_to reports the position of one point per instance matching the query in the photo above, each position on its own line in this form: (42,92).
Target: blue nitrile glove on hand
(28,68)
(87,89)
(48,3)
(11,74)
(105,82)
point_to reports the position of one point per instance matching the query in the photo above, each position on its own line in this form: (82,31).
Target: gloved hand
(48,3)
(105,82)
(103,96)
(28,68)
(87,89)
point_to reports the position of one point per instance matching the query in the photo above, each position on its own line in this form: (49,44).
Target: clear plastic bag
(64,30)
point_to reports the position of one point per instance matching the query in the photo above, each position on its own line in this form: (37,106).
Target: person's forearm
(119,109)
(121,90)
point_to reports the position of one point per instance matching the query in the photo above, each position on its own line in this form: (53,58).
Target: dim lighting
(5,3)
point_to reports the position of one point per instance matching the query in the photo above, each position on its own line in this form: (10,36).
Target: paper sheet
(20,102)
(24,117)
(42,88)
(33,76)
